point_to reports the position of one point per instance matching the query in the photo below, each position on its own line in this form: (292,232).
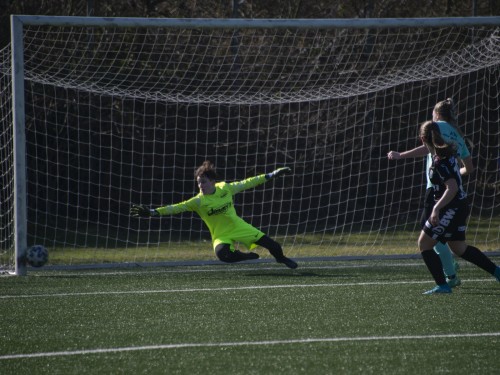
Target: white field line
(217,268)
(248,343)
(225,289)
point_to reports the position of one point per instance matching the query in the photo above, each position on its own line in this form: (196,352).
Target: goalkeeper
(214,204)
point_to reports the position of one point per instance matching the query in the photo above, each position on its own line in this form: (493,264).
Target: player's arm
(252,182)
(467,166)
(413,153)
(449,194)
(465,157)
(171,209)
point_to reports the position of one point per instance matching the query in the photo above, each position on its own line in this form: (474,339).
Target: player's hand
(434,218)
(139,210)
(393,155)
(279,172)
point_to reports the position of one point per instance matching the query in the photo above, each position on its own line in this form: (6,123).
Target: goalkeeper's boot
(439,289)
(287,262)
(453,281)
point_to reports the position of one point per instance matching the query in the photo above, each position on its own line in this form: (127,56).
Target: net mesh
(116,116)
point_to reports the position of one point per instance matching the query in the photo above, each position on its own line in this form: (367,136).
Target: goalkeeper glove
(138,210)
(278,172)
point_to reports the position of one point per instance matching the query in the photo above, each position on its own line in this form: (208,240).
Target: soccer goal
(101,113)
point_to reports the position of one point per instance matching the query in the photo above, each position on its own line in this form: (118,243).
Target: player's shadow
(479,292)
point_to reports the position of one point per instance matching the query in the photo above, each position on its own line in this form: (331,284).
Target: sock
(434,265)
(497,273)
(272,246)
(475,256)
(446,258)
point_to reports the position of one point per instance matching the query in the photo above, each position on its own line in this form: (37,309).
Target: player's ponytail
(431,136)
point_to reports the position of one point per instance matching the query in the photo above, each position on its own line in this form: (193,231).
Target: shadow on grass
(479,291)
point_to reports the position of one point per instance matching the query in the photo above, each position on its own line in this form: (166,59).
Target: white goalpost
(100,113)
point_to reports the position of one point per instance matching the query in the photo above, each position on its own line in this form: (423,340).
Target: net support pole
(19,137)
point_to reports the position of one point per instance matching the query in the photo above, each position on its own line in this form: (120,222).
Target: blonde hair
(446,111)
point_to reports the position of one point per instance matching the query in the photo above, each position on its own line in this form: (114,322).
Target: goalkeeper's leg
(224,253)
(276,251)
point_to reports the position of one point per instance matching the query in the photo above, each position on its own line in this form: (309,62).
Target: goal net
(121,112)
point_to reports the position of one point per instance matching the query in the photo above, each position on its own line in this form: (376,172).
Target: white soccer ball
(37,255)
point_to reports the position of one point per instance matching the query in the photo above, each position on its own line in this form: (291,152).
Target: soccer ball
(37,256)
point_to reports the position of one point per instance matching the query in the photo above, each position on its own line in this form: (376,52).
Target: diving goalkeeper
(214,204)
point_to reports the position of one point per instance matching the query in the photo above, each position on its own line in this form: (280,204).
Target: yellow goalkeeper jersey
(218,213)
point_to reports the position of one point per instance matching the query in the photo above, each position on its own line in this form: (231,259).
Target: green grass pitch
(352,317)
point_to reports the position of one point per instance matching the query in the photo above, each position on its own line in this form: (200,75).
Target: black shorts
(428,206)
(452,223)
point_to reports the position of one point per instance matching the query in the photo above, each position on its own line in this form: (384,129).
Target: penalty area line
(247,343)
